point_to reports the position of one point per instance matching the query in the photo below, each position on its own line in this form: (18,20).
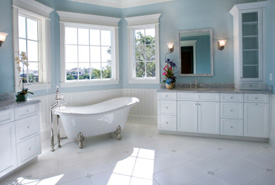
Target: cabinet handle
(30,148)
(231,97)
(231,110)
(28,127)
(166,96)
(256,104)
(231,126)
(256,98)
(166,122)
(166,107)
(250,85)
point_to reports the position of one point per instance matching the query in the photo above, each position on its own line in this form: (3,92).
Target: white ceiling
(120,3)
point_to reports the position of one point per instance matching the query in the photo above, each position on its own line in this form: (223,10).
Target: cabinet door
(256,120)
(187,116)
(208,117)
(7,145)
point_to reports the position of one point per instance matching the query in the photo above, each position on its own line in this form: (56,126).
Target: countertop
(11,103)
(212,90)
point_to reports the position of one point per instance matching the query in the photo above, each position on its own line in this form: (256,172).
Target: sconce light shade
(221,44)
(170,47)
(2,37)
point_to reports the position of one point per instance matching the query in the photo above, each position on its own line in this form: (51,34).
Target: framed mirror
(196,52)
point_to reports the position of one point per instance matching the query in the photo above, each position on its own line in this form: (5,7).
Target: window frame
(40,12)
(142,22)
(69,19)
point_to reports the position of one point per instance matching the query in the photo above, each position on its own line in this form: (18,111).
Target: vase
(170,86)
(20,97)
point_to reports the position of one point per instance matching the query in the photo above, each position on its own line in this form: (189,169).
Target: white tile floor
(144,157)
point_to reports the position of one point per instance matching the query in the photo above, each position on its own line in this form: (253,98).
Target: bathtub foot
(80,139)
(117,132)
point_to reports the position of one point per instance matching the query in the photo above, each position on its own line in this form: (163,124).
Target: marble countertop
(212,90)
(11,103)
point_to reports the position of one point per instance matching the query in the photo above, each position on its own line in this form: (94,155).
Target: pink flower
(170,68)
(164,73)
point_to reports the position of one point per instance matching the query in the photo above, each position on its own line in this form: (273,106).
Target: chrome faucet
(58,99)
(196,84)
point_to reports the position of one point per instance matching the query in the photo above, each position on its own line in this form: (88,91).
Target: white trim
(44,42)
(88,83)
(143,20)
(33,6)
(121,3)
(247,6)
(71,17)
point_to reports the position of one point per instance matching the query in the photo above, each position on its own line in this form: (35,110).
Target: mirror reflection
(196,55)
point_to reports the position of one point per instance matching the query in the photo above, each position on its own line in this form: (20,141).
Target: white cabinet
(19,136)
(249,64)
(256,115)
(167,111)
(230,114)
(7,142)
(199,114)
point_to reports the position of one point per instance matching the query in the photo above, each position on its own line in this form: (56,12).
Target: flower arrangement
(170,78)
(22,61)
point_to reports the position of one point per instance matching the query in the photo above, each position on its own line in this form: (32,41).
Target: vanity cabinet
(198,112)
(248,28)
(19,136)
(256,115)
(225,114)
(167,110)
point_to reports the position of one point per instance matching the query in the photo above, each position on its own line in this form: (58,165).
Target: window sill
(88,83)
(144,81)
(35,87)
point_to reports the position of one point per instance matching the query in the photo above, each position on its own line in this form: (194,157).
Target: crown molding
(120,3)
(87,18)
(144,19)
(33,6)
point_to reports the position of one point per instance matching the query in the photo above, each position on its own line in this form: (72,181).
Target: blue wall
(175,15)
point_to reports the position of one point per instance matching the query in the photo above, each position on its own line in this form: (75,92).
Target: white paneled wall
(148,101)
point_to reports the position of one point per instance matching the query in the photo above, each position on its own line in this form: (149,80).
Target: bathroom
(169,17)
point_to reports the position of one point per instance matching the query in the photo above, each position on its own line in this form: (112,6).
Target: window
(89,50)
(144,49)
(31,35)
(29,43)
(88,54)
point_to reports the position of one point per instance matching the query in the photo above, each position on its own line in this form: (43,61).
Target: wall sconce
(2,37)
(221,44)
(170,47)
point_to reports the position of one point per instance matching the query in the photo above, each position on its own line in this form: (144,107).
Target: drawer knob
(28,110)
(256,98)
(30,149)
(28,127)
(231,126)
(166,95)
(231,97)
(231,110)
(166,122)
(166,107)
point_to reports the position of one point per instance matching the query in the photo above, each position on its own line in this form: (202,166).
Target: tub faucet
(58,99)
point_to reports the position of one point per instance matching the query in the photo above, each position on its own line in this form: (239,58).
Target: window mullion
(77,44)
(27,51)
(90,57)
(100,54)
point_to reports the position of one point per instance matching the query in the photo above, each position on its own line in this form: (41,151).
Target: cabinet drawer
(231,97)
(232,110)
(28,149)
(6,116)
(252,86)
(167,123)
(263,98)
(27,127)
(188,96)
(232,127)
(208,96)
(167,107)
(167,96)
(26,111)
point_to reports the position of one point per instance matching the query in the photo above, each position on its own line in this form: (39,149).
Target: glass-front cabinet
(248,45)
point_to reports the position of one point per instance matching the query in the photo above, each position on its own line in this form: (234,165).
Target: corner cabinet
(248,31)
(19,136)
(225,114)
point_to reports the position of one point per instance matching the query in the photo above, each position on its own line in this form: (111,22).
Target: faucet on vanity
(195,84)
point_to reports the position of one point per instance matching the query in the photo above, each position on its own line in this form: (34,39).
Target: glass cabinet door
(250,40)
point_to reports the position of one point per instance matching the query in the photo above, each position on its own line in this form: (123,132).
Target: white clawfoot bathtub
(102,118)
